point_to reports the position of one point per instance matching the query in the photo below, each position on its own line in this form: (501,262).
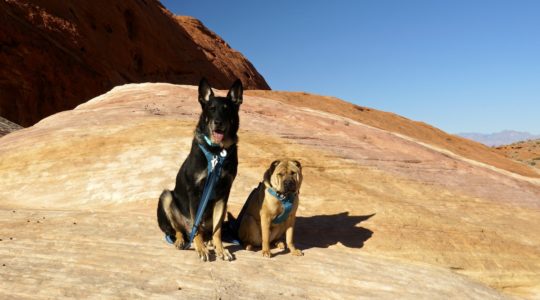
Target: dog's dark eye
(225,106)
(212,108)
(293,173)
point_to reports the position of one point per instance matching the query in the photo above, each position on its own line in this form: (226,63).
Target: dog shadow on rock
(326,230)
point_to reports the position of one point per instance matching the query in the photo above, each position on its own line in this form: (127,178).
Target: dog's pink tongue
(217,137)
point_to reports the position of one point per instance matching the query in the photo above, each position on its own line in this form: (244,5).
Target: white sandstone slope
(381,215)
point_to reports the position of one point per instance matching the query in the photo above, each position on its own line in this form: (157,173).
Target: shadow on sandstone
(323,231)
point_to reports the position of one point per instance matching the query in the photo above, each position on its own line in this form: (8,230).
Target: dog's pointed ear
(297,163)
(235,92)
(269,172)
(205,91)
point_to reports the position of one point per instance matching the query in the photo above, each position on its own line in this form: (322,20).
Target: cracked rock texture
(385,211)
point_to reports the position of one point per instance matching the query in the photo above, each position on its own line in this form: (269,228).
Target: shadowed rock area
(7,126)
(57,54)
(382,214)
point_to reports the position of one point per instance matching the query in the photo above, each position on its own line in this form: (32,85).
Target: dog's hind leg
(280,245)
(218,215)
(249,232)
(164,221)
(169,217)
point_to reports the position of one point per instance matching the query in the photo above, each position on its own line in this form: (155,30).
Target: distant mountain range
(504,137)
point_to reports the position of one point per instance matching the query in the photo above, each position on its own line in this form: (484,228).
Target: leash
(215,165)
(287,203)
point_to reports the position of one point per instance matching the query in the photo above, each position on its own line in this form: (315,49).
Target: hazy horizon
(461,66)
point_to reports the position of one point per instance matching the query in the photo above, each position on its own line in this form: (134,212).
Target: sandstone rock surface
(383,214)
(389,121)
(55,55)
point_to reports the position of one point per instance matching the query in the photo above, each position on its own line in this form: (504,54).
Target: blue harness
(286,202)
(215,165)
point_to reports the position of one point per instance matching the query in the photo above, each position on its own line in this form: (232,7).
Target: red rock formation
(219,52)
(56,54)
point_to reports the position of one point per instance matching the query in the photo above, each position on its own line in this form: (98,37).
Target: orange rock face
(418,130)
(382,214)
(527,152)
(55,55)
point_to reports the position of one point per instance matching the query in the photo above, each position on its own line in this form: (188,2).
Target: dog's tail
(165,211)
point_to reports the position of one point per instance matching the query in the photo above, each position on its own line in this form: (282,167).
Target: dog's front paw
(225,255)
(179,243)
(266,253)
(200,248)
(203,253)
(297,252)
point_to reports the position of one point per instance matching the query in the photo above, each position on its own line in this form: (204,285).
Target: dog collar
(209,142)
(286,202)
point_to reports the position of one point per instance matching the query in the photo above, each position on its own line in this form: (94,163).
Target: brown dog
(270,210)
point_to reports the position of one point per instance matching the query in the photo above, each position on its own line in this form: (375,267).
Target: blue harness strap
(215,165)
(286,202)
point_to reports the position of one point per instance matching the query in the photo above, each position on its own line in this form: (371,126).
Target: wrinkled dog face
(285,176)
(219,120)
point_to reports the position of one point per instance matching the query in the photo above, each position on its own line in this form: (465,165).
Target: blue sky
(462,66)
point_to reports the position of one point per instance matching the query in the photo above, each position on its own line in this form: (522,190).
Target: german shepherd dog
(216,131)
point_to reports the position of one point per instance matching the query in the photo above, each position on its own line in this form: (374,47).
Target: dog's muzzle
(289,185)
